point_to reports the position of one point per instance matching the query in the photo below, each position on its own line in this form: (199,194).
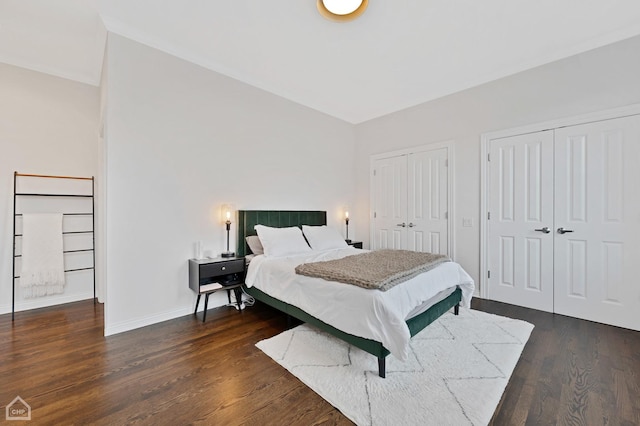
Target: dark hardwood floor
(184,371)
(571,372)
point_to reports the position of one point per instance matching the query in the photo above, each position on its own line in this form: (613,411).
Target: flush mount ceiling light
(342,10)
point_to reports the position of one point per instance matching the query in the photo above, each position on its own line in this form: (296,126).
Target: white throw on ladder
(42,271)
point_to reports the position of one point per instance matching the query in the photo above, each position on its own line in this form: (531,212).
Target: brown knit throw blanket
(380,269)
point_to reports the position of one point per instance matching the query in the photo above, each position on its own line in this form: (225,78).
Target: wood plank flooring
(184,371)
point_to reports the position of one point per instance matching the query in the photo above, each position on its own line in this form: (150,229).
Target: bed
(385,336)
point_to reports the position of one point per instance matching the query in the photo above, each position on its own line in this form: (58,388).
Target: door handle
(411,225)
(545,230)
(402,224)
(564,231)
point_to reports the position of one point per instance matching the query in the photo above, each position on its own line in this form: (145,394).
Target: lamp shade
(226,213)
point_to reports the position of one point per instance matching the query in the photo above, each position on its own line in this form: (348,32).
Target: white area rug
(458,369)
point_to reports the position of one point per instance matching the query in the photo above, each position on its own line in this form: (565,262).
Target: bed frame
(247,219)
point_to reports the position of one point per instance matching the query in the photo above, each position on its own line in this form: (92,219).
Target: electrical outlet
(467,222)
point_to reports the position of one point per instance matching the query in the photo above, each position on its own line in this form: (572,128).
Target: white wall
(597,80)
(182,140)
(48,125)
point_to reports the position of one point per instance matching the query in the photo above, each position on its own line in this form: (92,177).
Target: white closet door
(521,220)
(390,203)
(597,177)
(427,227)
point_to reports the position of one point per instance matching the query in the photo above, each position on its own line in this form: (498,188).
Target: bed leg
(382,366)
(456,309)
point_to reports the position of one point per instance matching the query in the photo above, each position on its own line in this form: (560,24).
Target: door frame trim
(486,138)
(449,146)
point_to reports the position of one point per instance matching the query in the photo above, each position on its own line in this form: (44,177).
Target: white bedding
(371,314)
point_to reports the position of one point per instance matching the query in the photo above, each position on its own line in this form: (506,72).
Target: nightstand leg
(238,298)
(197,303)
(229,295)
(206,302)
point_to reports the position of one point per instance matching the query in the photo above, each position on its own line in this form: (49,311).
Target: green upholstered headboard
(247,219)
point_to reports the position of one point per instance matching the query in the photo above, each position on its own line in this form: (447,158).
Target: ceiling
(400,53)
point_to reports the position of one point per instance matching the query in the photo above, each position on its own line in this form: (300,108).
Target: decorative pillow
(323,237)
(253,241)
(278,242)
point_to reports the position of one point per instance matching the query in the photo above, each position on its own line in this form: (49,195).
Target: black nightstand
(355,244)
(207,276)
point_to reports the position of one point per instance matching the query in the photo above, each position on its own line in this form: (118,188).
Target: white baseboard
(132,324)
(214,301)
(43,302)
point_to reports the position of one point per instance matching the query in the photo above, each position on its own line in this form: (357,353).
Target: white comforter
(371,314)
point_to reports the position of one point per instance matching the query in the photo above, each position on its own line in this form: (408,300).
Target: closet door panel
(390,203)
(521,208)
(597,199)
(427,220)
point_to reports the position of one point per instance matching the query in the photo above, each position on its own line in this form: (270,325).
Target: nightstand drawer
(355,244)
(221,268)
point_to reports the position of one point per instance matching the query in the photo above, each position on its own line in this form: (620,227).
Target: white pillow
(323,237)
(253,241)
(278,242)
